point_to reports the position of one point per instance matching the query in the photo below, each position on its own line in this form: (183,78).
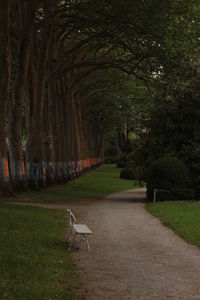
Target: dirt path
(134,256)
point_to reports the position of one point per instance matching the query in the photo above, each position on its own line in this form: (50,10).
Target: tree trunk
(5,66)
(17,105)
(37,136)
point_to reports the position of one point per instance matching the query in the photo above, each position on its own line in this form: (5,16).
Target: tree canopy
(79,74)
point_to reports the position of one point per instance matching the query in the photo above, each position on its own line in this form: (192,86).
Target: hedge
(183,194)
(166,173)
(175,194)
(127,174)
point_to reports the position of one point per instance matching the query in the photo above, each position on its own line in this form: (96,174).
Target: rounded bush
(165,174)
(126,174)
(163,195)
(183,194)
(113,152)
(121,163)
(198,193)
(110,160)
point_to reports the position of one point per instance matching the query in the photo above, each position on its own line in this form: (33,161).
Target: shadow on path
(133,195)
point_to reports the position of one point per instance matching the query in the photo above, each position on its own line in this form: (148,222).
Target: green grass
(94,184)
(33,261)
(182,217)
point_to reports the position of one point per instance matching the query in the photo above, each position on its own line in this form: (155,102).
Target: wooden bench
(76,229)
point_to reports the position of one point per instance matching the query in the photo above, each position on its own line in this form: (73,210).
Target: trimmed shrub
(127,147)
(111,155)
(138,173)
(163,195)
(127,174)
(165,174)
(113,151)
(121,163)
(110,160)
(198,193)
(183,194)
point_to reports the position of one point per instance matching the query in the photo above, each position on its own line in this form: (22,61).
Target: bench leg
(68,235)
(87,242)
(72,240)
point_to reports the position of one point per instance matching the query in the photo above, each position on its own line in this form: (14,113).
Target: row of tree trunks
(58,144)
(5,67)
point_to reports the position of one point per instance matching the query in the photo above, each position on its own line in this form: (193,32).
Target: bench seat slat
(82,229)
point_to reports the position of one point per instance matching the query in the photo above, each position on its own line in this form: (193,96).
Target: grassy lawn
(94,184)
(33,261)
(182,217)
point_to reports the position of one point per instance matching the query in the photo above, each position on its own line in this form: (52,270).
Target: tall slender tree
(27,21)
(5,67)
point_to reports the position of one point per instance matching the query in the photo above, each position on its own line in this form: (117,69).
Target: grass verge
(94,184)
(182,217)
(33,261)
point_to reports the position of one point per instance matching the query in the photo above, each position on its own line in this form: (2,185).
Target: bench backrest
(72,218)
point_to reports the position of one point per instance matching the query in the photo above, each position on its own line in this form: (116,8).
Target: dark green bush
(110,160)
(165,174)
(121,163)
(183,194)
(163,195)
(138,173)
(198,193)
(127,174)
(128,147)
(112,155)
(113,151)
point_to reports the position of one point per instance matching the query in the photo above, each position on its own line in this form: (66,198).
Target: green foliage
(166,173)
(113,151)
(182,217)
(127,174)
(138,161)
(111,155)
(174,126)
(110,160)
(198,193)
(163,195)
(34,263)
(182,194)
(127,147)
(175,194)
(150,81)
(136,63)
(121,163)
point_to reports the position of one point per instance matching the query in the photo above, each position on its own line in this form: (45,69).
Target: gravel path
(133,255)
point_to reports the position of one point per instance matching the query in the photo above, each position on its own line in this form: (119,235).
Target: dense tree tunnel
(69,70)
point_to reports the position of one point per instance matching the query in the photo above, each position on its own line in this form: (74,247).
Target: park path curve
(133,255)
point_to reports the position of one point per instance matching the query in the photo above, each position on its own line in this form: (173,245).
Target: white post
(154,195)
